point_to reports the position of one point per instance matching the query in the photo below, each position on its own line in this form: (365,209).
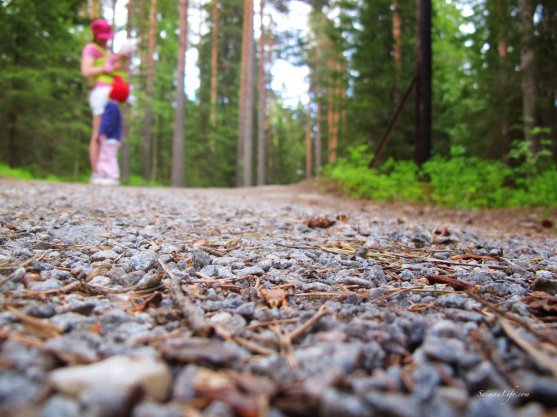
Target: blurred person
(96,66)
(110,135)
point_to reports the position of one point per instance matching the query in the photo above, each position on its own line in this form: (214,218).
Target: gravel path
(270,301)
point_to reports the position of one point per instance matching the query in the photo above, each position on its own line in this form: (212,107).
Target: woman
(96,66)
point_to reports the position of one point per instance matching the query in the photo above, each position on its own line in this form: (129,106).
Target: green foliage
(531,163)
(394,181)
(19,173)
(137,181)
(458,182)
(42,105)
(467,182)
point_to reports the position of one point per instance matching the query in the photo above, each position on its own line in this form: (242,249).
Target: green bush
(464,182)
(394,181)
(457,182)
(6,171)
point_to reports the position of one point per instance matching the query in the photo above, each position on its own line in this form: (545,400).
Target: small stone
(105,254)
(61,406)
(232,323)
(281,263)
(42,311)
(100,281)
(117,372)
(230,261)
(217,271)
(426,378)
(18,275)
(406,275)
(336,404)
(143,261)
(395,405)
(251,270)
(219,409)
(246,310)
(376,276)
(16,389)
(265,265)
(530,410)
(200,259)
(457,398)
(49,284)
(108,400)
(489,407)
(543,283)
(183,389)
(153,409)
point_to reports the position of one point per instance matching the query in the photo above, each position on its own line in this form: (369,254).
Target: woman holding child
(97,66)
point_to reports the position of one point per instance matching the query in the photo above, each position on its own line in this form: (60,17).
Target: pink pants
(107,164)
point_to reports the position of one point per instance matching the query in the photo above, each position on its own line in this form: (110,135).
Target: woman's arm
(88,69)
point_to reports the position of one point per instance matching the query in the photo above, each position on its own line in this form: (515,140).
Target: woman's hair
(100,42)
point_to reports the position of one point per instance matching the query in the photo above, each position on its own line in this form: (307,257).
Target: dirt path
(276,301)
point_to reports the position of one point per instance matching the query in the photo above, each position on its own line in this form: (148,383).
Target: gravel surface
(270,301)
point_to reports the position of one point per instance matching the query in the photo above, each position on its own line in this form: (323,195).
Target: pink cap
(101,29)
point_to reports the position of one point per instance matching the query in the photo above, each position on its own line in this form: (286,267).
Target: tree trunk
(422,150)
(261,102)
(503,75)
(95,10)
(178,137)
(245,126)
(269,116)
(125,147)
(331,105)
(114,15)
(318,135)
(148,125)
(309,167)
(214,64)
(528,71)
(339,91)
(397,37)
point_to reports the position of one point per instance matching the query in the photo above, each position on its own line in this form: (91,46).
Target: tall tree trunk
(114,14)
(261,102)
(178,137)
(150,76)
(214,64)
(95,10)
(309,167)
(244,169)
(331,104)
(422,150)
(270,132)
(125,148)
(528,71)
(397,37)
(503,75)
(318,135)
(338,97)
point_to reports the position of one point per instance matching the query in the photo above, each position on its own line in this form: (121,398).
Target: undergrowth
(22,174)
(458,181)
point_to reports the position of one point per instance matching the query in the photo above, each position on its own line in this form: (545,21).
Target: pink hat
(101,29)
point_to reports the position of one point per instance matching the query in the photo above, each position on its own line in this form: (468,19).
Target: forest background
(494,96)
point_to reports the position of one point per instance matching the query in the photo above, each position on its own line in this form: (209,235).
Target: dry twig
(544,360)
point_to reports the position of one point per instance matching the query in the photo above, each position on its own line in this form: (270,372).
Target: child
(110,135)
(121,58)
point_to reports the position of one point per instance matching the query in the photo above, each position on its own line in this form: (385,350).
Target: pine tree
(244,170)
(178,136)
(150,77)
